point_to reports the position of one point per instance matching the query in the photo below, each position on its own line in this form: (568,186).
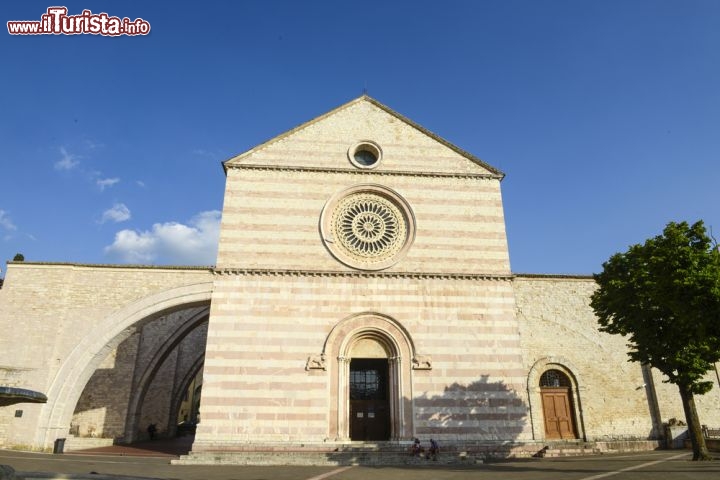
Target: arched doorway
(371,358)
(558,409)
(369,383)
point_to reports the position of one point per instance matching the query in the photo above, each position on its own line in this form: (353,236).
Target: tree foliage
(664,296)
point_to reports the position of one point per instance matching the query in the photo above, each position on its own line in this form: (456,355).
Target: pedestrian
(416,449)
(433,451)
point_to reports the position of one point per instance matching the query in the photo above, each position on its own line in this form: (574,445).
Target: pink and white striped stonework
(288,317)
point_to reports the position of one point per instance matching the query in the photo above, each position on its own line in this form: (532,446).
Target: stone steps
(314,458)
(576,448)
(399,454)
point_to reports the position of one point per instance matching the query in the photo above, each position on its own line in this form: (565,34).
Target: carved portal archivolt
(369,336)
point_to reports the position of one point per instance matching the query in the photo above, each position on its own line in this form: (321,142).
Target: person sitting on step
(416,448)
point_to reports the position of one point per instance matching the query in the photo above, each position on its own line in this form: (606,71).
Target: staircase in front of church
(390,453)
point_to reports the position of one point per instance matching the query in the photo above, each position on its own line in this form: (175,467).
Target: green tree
(664,296)
(19,257)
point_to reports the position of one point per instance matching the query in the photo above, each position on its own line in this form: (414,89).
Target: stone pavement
(173,447)
(125,463)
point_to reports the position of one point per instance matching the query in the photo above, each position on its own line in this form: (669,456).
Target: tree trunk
(700,450)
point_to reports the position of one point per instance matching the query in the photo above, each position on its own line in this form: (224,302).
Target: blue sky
(605,116)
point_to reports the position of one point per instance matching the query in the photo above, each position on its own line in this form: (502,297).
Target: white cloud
(5,222)
(67,162)
(103,183)
(171,242)
(118,213)
(92,144)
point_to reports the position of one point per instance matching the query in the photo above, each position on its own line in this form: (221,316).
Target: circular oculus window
(365,154)
(367,227)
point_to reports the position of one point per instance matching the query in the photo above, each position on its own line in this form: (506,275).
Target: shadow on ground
(162,447)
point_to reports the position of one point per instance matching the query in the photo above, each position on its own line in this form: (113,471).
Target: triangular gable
(323,143)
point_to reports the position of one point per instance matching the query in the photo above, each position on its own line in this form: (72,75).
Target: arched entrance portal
(370,391)
(370,356)
(558,411)
(555,399)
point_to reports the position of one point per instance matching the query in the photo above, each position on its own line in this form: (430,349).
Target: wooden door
(369,400)
(558,413)
(370,420)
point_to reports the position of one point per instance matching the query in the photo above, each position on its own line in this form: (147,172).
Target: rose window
(367,228)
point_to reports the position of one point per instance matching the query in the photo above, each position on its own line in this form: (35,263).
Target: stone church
(362,294)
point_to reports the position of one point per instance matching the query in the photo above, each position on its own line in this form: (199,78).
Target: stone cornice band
(360,274)
(481,176)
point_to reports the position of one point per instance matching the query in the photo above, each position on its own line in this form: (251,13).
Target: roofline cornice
(285,168)
(434,136)
(123,266)
(554,276)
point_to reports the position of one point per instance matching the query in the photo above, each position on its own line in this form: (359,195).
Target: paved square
(663,465)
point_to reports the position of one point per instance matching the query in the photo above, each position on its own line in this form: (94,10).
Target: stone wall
(275,195)
(670,406)
(9,377)
(102,408)
(55,314)
(323,143)
(617,399)
(265,328)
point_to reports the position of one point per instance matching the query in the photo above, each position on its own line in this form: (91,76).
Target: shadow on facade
(101,409)
(482,411)
(658,430)
(144,380)
(482,419)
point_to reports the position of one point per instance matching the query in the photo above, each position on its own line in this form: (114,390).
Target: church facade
(362,293)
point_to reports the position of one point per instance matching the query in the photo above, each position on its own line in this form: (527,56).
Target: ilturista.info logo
(56,21)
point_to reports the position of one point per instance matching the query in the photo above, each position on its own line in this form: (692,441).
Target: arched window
(554,378)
